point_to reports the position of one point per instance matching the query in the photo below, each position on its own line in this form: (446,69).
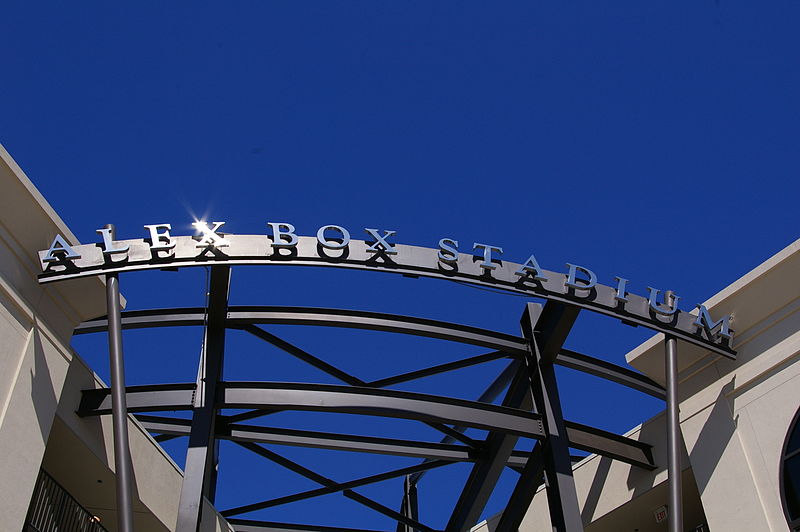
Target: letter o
(332,244)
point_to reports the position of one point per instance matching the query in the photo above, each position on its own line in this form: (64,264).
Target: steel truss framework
(530,408)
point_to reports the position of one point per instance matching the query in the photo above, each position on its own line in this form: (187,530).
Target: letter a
(60,246)
(531,267)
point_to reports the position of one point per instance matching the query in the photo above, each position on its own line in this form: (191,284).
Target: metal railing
(52,509)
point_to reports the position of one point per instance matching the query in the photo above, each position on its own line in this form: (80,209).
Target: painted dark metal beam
(160,438)
(176,427)
(334,488)
(435,370)
(148,319)
(484,475)
(376,321)
(306,357)
(606,370)
(337,373)
(324,440)
(410,504)
(513,346)
(388,403)
(385,510)
(489,395)
(546,335)
(160,398)
(241,316)
(148,398)
(604,443)
(529,481)
(200,472)
(250,414)
(455,435)
(325,481)
(248,525)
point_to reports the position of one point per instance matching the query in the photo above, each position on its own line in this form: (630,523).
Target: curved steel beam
(386,403)
(606,370)
(250,525)
(245,317)
(377,402)
(323,397)
(241,317)
(177,427)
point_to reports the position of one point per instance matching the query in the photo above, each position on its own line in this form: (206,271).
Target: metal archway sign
(578,287)
(530,406)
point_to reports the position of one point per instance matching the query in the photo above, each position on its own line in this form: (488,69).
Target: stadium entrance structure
(530,406)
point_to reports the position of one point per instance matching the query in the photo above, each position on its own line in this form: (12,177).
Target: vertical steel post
(546,336)
(119,408)
(410,508)
(200,472)
(675,504)
(673,437)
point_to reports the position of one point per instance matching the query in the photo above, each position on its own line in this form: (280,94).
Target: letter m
(715,330)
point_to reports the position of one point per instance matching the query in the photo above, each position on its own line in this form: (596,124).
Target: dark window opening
(790,475)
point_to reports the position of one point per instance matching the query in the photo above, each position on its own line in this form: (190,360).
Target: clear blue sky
(655,141)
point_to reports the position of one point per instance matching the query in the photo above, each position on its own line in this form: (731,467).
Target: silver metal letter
(622,289)
(160,241)
(529,267)
(584,284)
(704,321)
(210,236)
(108,242)
(448,252)
(381,240)
(668,308)
(487,263)
(59,246)
(332,244)
(281,230)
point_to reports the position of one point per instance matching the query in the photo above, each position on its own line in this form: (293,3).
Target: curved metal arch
(370,401)
(417,261)
(241,317)
(323,397)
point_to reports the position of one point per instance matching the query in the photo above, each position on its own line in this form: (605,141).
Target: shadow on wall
(714,437)
(43,396)
(653,432)
(712,441)
(596,489)
(80,455)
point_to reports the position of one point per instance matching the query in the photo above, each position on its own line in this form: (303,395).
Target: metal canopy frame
(530,408)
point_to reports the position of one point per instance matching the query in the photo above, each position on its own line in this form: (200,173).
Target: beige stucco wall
(35,327)
(735,414)
(41,378)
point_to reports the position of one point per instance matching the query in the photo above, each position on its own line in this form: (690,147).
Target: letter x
(210,236)
(387,247)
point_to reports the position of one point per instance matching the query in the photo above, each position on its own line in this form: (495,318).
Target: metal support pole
(673,437)
(200,472)
(122,452)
